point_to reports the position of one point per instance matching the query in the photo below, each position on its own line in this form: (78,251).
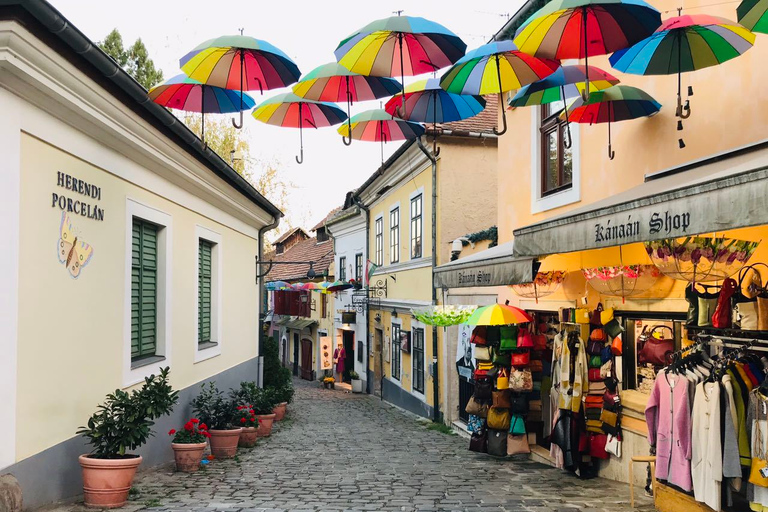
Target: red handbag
(539,342)
(479,335)
(617,345)
(594,375)
(721,319)
(594,318)
(597,446)
(656,351)
(521,358)
(524,339)
(598,335)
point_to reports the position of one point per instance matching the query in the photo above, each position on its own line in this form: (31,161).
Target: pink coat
(668,416)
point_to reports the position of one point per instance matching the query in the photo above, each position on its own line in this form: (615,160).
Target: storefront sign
(326,353)
(475,277)
(77,205)
(662,223)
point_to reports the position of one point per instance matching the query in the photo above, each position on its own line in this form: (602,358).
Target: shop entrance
(466,390)
(348,338)
(306,359)
(296,354)
(378,364)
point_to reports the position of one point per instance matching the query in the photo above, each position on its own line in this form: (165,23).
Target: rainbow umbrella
(310,286)
(380,126)
(277,285)
(753,14)
(289,110)
(240,62)
(498,314)
(334,82)
(495,68)
(576,29)
(682,44)
(184,93)
(400,45)
(338,286)
(617,103)
(427,102)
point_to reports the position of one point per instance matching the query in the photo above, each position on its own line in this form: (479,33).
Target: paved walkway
(339,451)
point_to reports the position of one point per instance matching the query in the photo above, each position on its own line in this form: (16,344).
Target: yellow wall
(71,330)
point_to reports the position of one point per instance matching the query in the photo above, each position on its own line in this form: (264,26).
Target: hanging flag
(370,268)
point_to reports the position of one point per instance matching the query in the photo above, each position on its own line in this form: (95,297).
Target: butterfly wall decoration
(73,252)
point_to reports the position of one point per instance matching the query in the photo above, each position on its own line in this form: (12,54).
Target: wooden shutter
(143,290)
(204,253)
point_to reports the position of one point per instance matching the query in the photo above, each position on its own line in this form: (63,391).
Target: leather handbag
(479,442)
(534,405)
(617,346)
(508,340)
(595,348)
(597,388)
(475,408)
(593,402)
(581,316)
(613,328)
(609,417)
(517,444)
(501,399)
(656,350)
(707,302)
(497,443)
(501,359)
(692,298)
(522,358)
(606,315)
(595,316)
(762,313)
(536,366)
(606,369)
(483,353)
(595,361)
(745,307)
(595,426)
(721,318)
(597,446)
(594,375)
(524,339)
(502,378)
(613,445)
(539,342)
(519,404)
(475,423)
(606,354)
(520,380)
(499,418)
(483,370)
(517,425)
(598,335)
(483,389)
(479,335)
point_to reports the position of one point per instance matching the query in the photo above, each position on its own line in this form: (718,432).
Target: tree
(134,60)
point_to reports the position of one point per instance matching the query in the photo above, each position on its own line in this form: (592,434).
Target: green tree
(134,60)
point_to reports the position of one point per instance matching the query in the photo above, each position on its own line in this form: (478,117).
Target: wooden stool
(650,459)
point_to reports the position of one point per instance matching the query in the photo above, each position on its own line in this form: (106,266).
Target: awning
(492,267)
(299,323)
(720,193)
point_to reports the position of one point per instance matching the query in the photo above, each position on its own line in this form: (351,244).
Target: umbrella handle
(344,139)
(503,117)
(611,153)
(567,143)
(234,123)
(300,160)
(685,111)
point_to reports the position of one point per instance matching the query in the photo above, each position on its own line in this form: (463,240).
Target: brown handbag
(517,444)
(476,408)
(501,399)
(656,351)
(499,418)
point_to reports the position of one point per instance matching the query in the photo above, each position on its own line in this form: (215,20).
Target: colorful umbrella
(682,44)
(334,82)
(576,29)
(427,102)
(339,286)
(495,68)
(184,93)
(240,62)
(617,103)
(379,126)
(753,14)
(291,111)
(498,314)
(400,45)
(278,285)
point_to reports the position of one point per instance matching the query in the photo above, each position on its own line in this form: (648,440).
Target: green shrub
(213,409)
(285,393)
(275,374)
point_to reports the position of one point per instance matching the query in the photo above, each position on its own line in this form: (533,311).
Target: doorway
(306,359)
(378,362)
(349,349)
(296,354)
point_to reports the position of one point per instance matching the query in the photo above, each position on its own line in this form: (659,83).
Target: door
(466,390)
(306,359)
(349,350)
(296,354)
(378,361)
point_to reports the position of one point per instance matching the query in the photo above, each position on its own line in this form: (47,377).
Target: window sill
(206,345)
(146,361)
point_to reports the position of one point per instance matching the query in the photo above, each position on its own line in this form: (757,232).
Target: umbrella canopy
(379,126)
(278,285)
(567,82)
(339,286)
(240,62)
(753,14)
(291,111)
(576,29)
(498,314)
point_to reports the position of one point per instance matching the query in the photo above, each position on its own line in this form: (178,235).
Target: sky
(308,32)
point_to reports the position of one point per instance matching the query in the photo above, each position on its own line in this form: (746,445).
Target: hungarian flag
(370,268)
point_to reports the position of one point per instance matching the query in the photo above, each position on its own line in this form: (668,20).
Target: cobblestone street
(339,451)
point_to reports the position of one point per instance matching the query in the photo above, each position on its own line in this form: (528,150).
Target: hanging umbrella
(379,126)
(184,93)
(427,102)
(495,68)
(339,286)
(682,44)
(400,45)
(277,285)
(240,62)
(617,103)
(753,14)
(334,82)
(498,314)
(291,111)
(576,29)
(544,284)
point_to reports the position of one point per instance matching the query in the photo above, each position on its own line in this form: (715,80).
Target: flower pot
(188,456)
(357,386)
(248,437)
(106,482)
(265,424)
(279,410)
(224,442)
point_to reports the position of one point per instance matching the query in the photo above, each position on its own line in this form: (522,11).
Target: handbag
(581,316)
(483,353)
(605,370)
(594,375)
(745,307)
(606,316)
(595,318)
(617,346)
(524,339)
(493,335)
(520,380)
(759,460)
(536,366)
(597,444)
(593,402)
(497,443)
(498,418)
(721,318)
(597,388)
(595,426)
(517,444)
(519,404)
(595,348)
(692,316)
(508,338)
(479,335)
(520,358)
(539,342)
(707,302)
(475,423)
(613,328)
(656,351)
(475,408)
(609,418)
(501,359)
(501,399)
(517,425)
(479,442)
(502,378)
(598,335)
(613,445)
(595,361)
(606,354)
(483,389)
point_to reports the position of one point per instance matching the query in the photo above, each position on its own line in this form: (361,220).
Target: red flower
(195,420)
(188,427)
(242,420)
(203,426)
(206,434)
(240,407)
(172,431)
(251,411)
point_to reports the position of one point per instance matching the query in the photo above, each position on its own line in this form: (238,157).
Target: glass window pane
(567,159)
(551,163)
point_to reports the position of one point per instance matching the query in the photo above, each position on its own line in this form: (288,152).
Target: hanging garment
(555,452)
(669,429)
(706,450)
(741,413)
(731,463)
(340,355)
(574,375)
(757,425)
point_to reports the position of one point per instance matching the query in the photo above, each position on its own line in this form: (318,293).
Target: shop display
(443,315)
(545,284)
(623,280)
(700,259)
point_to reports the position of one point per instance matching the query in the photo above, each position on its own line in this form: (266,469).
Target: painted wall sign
(474,277)
(77,206)
(72,251)
(326,353)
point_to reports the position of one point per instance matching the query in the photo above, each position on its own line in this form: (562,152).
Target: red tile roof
(322,222)
(484,122)
(304,251)
(287,234)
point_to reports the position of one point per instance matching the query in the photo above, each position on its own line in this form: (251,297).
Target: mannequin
(339,356)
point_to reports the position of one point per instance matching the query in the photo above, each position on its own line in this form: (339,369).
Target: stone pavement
(339,451)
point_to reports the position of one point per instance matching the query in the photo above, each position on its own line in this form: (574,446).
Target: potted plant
(122,424)
(357,384)
(246,418)
(264,403)
(284,396)
(218,413)
(329,383)
(189,444)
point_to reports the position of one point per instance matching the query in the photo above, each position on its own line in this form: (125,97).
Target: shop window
(396,351)
(416,226)
(379,242)
(556,158)
(394,235)
(418,360)
(144,290)
(343,268)
(358,268)
(204,290)
(360,350)
(667,329)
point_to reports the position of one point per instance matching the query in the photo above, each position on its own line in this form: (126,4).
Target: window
(394,235)
(204,290)
(324,302)
(358,267)
(418,360)
(556,159)
(143,290)
(667,326)
(343,268)
(396,351)
(416,226)
(322,235)
(379,231)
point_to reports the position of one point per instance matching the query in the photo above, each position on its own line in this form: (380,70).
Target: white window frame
(571,195)
(343,268)
(415,324)
(399,381)
(392,208)
(215,238)
(379,217)
(417,192)
(135,209)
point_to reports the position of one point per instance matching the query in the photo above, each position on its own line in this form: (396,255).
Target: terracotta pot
(265,424)
(188,456)
(279,410)
(224,442)
(106,482)
(248,437)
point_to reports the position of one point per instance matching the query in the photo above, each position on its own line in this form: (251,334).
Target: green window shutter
(143,290)
(204,253)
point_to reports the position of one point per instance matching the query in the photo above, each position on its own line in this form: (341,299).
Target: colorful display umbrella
(240,62)
(184,93)
(400,45)
(753,15)
(498,314)
(576,29)
(278,285)
(427,102)
(334,82)
(682,44)
(291,111)
(495,68)
(379,126)
(339,286)
(617,103)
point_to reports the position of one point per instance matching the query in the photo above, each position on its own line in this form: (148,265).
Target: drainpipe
(365,209)
(260,283)
(435,377)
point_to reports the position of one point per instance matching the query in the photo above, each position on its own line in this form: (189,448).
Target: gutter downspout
(436,417)
(260,287)
(369,382)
